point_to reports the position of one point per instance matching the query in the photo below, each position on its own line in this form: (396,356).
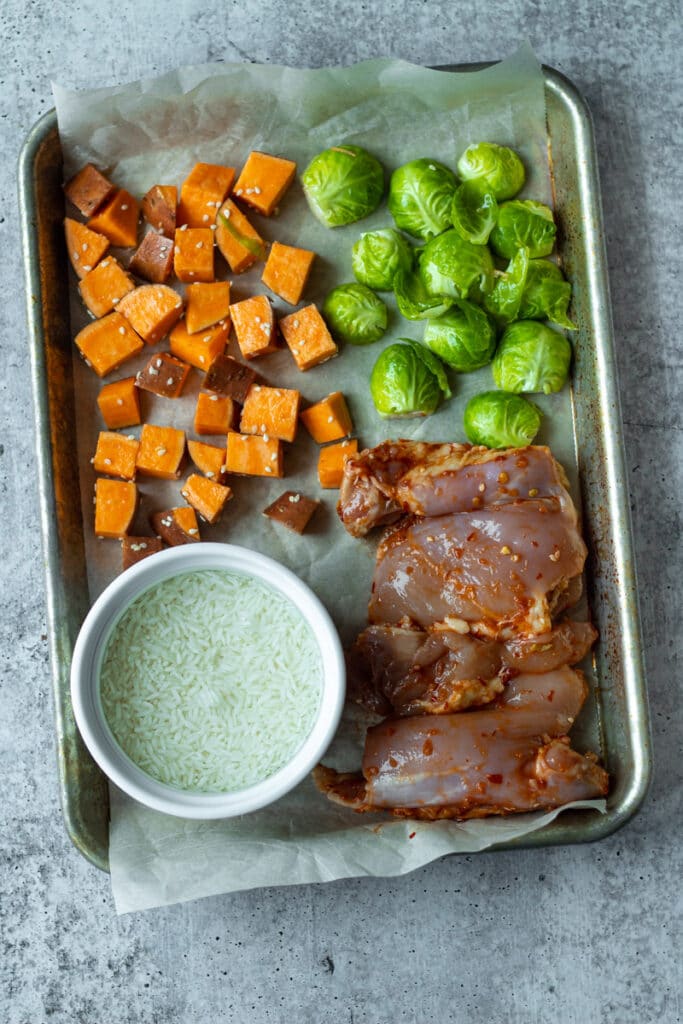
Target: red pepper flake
(550,696)
(412,835)
(495,779)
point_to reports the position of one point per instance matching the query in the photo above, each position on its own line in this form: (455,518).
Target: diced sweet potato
(271,411)
(206,305)
(115,455)
(331,462)
(163,375)
(229,378)
(254,324)
(208,458)
(115,504)
(134,549)
(106,343)
(88,190)
(202,193)
(118,220)
(328,419)
(153,258)
(119,403)
(307,337)
(207,497)
(252,455)
(193,254)
(201,349)
(264,180)
(215,414)
(238,240)
(286,271)
(293,510)
(176,526)
(161,451)
(159,208)
(152,310)
(85,247)
(104,287)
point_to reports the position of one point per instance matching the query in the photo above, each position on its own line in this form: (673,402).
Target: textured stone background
(582,934)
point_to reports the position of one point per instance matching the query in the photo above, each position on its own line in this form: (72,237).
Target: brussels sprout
(343,184)
(546,295)
(474,211)
(464,337)
(421,196)
(524,222)
(506,297)
(500,420)
(497,166)
(355,314)
(451,266)
(413,300)
(408,380)
(531,357)
(377,255)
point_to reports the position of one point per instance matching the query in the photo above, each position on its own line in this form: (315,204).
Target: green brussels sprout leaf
(524,222)
(343,184)
(449,265)
(474,211)
(403,384)
(505,299)
(355,314)
(498,167)
(377,255)
(500,420)
(546,295)
(413,300)
(531,357)
(464,337)
(433,364)
(421,196)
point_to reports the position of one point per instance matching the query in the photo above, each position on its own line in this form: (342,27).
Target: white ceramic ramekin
(89,652)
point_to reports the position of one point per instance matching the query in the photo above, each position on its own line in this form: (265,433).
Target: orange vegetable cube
(176,526)
(228,377)
(159,208)
(208,458)
(115,455)
(215,414)
(106,343)
(118,220)
(238,240)
(264,180)
(161,451)
(205,496)
(202,193)
(328,419)
(88,190)
(193,254)
(85,247)
(115,505)
(331,462)
(134,549)
(254,324)
(104,287)
(153,258)
(206,305)
(164,375)
(271,411)
(201,349)
(152,310)
(119,403)
(307,337)
(293,510)
(286,271)
(252,455)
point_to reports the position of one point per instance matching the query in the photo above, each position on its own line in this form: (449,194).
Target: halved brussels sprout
(355,314)
(377,255)
(500,420)
(464,337)
(497,166)
(449,265)
(474,211)
(414,301)
(524,222)
(343,184)
(531,357)
(505,299)
(546,295)
(408,380)
(421,196)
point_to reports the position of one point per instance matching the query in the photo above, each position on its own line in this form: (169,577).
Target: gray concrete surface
(583,935)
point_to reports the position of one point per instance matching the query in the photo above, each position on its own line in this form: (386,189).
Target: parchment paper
(153,132)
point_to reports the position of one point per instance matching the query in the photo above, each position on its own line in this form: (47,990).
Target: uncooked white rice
(211,681)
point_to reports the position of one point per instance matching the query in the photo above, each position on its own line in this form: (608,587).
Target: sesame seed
(294,498)
(183,228)
(505,550)
(555,556)
(131,437)
(482,487)
(207,337)
(84,247)
(116,300)
(192,531)
(330,419)
(515,558)
(122,330)
(210,474)
(295,323)
(213,226)
(124,206)
(239,192)
(257,319)
(153,372)
(201,359)
(107,462)
(88,363)
(87,266)
(263,429)
(178,304)
(169,382)
(257,190)
(213,398)
(205,216)
(273,457)
(92,461)
(268,469)
(104,263)
(161,451)
(249,191)
(199,245)
(166,522)
(143,546)
(266,438)
(158,362)
(257,387)
(76,256)
(224,469)
(119,401)
(191,273)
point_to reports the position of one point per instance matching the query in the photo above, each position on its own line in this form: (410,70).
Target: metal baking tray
(620,698)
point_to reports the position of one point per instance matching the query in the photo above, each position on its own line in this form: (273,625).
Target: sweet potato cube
(106,343)
(206,305)
(271,411)
(118,220)
(229,378)
(207,497)
(88,190)
(286,271)
(115,505)
(115,455)
(153,258)
(200,349)
(193,254)
(119,403)
(328,419)
(161,451)
(254,324)
(104,287)
(159,208)
(152,310)
(164,375)
(134,549)
(264,180)
(307,337)
(208,458)
(176,526)
(215,414)
(202,193)
(85,247)
(331,462)
(238,240)
(293,510)
(252,455)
